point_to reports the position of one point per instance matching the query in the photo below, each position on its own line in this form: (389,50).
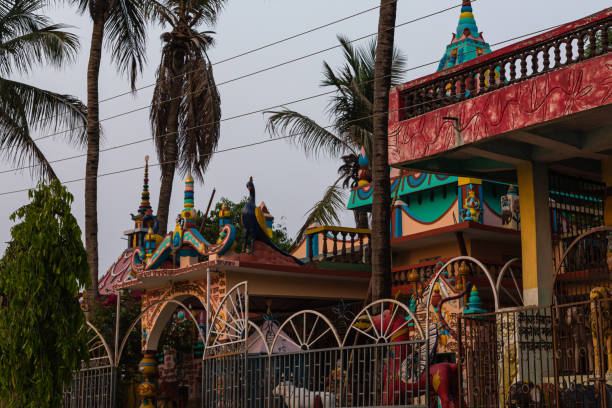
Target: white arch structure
(305,339)
(230,322)
(508,267)
(569,248)
(446,265)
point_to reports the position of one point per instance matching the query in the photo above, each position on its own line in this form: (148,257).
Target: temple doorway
(179,355)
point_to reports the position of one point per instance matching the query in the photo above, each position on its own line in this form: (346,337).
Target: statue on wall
(511,212)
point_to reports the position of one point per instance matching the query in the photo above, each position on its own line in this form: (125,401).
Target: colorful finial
(188,213)
(436,297)
(474,304)
(145,205)
(224,215)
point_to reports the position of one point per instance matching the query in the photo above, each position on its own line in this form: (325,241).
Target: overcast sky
(285,179)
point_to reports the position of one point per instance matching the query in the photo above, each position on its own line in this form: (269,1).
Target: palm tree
(186,107)
(27,39)
(381,196)
(122,24)
(350,112)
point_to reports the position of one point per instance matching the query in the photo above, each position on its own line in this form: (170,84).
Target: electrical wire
(238,78)
(242,54)
(255,111)
(243,146)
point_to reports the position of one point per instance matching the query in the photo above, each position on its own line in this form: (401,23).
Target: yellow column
(606,177)
(536,242)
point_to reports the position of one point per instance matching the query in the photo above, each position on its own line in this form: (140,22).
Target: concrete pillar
(536,241)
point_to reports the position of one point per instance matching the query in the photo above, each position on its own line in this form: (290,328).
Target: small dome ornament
(474,304)
(436,297)
(413,276)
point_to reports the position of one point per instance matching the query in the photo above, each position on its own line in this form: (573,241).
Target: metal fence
(356,376)
(554,356)
(382,359)
(93,386)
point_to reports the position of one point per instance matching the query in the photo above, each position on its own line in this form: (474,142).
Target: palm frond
(27,38)
(200,117)
(125,29)
(305,132)
(326,210)
(17,145)
(43,109)
(198,108)
(160,106)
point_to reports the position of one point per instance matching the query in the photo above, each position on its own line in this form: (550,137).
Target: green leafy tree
(186,107)
(350,112)
(211,225)
(42,326)
(28,39)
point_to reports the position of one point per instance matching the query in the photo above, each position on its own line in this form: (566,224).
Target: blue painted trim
(398,222)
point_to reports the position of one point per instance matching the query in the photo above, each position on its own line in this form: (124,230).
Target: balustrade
(426,270)
(349,245)
(545,53)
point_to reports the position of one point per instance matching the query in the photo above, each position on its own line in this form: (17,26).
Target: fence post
(113,387)
(459,362)
(553,314)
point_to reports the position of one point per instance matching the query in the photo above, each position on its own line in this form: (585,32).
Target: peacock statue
(254,223)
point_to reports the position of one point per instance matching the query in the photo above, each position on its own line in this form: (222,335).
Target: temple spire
(467,43)
(467,21)
(145,205)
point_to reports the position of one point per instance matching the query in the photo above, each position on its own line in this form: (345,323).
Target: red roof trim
(465,225)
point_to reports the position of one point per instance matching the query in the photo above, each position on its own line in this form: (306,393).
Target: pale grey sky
(286,180)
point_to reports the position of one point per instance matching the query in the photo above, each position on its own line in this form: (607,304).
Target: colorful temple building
(184,267)
(467,144)
(515,116)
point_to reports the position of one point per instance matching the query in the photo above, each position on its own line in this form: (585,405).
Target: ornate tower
(144,218)
(467,43)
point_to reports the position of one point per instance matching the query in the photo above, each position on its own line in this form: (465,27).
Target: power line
(244,53)
(243,146)
(259,110)
(269,68)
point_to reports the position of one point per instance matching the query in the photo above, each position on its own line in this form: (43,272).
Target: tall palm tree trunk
(93,149)
(361,219)
(170,158)
(381,200)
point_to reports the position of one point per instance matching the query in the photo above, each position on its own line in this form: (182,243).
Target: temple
(501,246)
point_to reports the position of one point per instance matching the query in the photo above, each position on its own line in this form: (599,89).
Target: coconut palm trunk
(93,148)
(381,200)
(361,219)
(169,158)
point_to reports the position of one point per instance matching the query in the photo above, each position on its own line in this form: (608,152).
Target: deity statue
(471,207)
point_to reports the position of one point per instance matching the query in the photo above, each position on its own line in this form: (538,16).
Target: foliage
(28,39)
(599,42)
(185,70)
(42,327)
(104,317)
(185,110)
(211,226)
(325,210)
(350,112)
(181,334)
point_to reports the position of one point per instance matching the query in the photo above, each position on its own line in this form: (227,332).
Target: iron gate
(538,357)
(94,385)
